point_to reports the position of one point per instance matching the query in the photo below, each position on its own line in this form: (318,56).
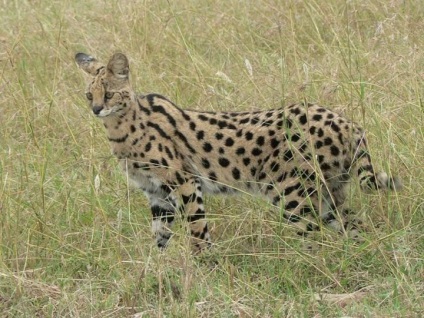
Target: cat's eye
(109,95)
(89,96)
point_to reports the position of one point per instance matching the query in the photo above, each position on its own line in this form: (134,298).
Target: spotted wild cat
(299,157)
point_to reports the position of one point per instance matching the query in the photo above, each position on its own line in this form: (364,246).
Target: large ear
(88,63)
(119,66)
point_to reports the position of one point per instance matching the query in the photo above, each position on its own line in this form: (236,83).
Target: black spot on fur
(295,111)
(164,162)
(236,173)
(200,134)
(318,144)
(260,141)
(179,178)
(262,176)
(212,176)
(240,151)
(325,166)
(188,198)
(282,177)
(148,147)
(303,119)
(207,147)
(203,117)
(249,135)
(306,210)
(275,166)
(280,124)
(294,218)
(229,142)
(154,162)
(295,137)
(198,215)
(334,150)
(328,141)
(169,153)
(254,120)
(335,127)
(303,147)
(292,205)
(274,142)
(292,188)
(256,151)
(288,155)
(317,117)
(223,162)
(311,227)
(205,163)
(289,123)
(223,124)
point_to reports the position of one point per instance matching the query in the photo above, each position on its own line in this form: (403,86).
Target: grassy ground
(75,239)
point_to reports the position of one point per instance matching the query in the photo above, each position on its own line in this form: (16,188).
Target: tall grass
(75,239)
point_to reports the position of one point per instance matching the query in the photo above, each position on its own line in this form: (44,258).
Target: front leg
(163,206)
(192,204)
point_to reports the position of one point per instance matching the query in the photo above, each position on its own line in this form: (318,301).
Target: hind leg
(340,217)
(334,198)
(308,206)
(300,204)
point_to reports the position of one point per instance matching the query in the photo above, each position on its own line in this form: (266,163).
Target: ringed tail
(368,178)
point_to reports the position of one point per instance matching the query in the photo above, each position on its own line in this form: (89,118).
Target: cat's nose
(97,109)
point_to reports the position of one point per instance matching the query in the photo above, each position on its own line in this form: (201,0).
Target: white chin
(108,112)
(105,113)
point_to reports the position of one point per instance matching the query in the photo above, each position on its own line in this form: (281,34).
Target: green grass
(71,248)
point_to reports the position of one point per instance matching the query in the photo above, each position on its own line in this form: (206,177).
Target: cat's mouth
(103,112)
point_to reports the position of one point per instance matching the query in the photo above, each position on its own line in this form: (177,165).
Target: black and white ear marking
(83,58)
(88,63)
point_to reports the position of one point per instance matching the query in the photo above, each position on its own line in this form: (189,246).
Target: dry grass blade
(33,288)
(341,300)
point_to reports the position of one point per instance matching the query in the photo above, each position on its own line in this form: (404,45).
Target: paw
(199,245)
(162,240)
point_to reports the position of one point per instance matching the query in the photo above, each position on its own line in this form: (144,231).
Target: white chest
(143,179)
